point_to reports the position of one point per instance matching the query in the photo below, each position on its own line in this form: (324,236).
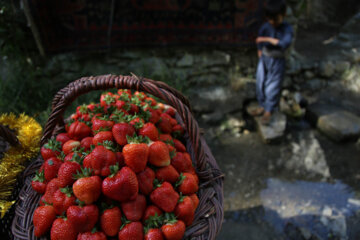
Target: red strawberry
(195,200)
(102,136)
(165,197)
(165,138)
(134,210)
(86,143)
(69,146)
(50,149)
(84,218)
(91,236)
(188,184)
(62,138)
(136,154)
(154,115)
(110,221)
(51,168)
(120,131)
(170,111)
(67,171)
(51,188)
(101,124)
(43,218)
(100,159)
(177,130)
(173,122)
(38,183)
(140,95)
(78,130)
(167,174)
(185,210)
(63,229)
(132,231)
(153,211)
(120,159)
(107,99)
(137,122)
(86,188)
(133,109)
(121,186)
(151,101)
(145,180)
(164,123)
(149,130)
(154,234)
(174,229)
(179,146)
(181,162)
(62,200)
(159,154)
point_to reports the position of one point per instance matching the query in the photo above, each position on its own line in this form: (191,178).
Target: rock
(186,61)
(342,66)
(212,118)
(309,74)
(238,83)
(152,67)
(327,69)
(213,59)
(358,144)
(274,130)
(294,66)
(287,83)
(314,84)
(340,125)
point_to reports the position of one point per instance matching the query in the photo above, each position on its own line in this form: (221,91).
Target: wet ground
(303,187)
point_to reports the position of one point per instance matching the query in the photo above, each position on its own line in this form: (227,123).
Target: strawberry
(151,101)
(71,156)
(179,146)
(173,122)
(165,197)
(99,123)
(149,130)
(159,154)
(187,184)
(145,180)
(38,183)
(154,234)
(120,159)
(67,171)
(136,153)
(125,94)
(134,210)
(83,217)
(195,200)
(87,188)
(86,143)
(170,111)
(50,149)
(107,99)
(154,115)
(153,211)
(110,221)
(69,146)
(165,138)
(100,159)
(62,138)
(51,168)
(181,162)
(133,109)
(167,174)
(173,229)
(43,218)
(164,123)
(91,236)
(102,136)
(120,131)
(185,210)
(51,188)
(62,199)
(121,185)
(131,231)
(63,229)
(79,130)
(140,95)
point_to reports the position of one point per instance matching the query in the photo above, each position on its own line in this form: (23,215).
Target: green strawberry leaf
(113,170)
(83,109)
(67,191)
(53,145)
(124,222)
(180,181)
(39,176)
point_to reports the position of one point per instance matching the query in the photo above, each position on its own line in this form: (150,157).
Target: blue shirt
(283,32)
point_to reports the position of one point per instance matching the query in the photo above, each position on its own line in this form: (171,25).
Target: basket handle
(87,84)
(159,84)
(8,135)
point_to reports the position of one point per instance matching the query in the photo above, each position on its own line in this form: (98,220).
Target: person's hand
(273,41)
(260,39)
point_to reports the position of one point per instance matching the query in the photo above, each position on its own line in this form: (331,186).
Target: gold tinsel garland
(29,132)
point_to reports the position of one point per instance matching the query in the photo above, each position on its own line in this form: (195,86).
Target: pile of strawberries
(120,171)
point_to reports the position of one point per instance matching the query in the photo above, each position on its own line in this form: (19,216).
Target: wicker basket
(209,215)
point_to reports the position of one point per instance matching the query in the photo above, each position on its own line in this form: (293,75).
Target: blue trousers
(269,78)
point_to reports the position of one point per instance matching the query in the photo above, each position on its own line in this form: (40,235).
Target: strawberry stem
(181,180)
(67,191)
(113,170)
(39,176)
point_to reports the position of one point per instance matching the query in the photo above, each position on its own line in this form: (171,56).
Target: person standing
(275,36)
